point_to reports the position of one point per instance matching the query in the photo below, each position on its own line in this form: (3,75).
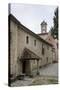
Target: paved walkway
(27,81)
(49,71)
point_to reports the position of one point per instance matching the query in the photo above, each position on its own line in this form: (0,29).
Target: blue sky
(31,15)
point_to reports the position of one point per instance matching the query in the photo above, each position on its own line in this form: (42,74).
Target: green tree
(54,29)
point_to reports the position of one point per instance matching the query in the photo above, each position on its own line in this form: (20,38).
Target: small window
(53,49)
(47,59)
(27,39)
(48,47)
(42,49)
(34,42)
(57,45)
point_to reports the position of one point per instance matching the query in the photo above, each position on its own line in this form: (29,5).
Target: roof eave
(11,17)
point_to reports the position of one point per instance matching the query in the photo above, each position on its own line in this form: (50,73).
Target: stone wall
(18,43)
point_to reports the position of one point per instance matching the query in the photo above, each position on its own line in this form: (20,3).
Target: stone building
(47,36)
(43,27)
(27,50)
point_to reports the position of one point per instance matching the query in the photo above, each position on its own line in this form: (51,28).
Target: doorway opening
(26,67)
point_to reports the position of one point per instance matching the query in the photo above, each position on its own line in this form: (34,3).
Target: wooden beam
(30,58)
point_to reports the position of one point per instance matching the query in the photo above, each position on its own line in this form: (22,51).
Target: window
(27,39)
(42,49)
(34,42)
(48,47)
(43,27)
(53,49)
(57,45)
(47,59)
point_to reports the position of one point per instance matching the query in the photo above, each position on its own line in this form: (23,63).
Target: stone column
(37,66)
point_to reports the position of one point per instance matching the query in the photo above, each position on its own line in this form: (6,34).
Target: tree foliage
(54,29)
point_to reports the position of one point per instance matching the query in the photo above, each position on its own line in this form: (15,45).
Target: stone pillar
(37,66)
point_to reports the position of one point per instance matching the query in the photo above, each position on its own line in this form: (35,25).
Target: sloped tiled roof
(29,55)
(43,23)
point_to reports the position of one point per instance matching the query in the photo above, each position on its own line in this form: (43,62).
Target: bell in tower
(43,27)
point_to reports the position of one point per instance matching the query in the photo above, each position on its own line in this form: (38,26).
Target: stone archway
(26,58)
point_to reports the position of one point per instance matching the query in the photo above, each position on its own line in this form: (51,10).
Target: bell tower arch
(43,27)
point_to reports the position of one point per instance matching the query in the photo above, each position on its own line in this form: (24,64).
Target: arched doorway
(26,67)
(26,59)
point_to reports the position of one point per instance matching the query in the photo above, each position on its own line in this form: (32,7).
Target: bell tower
(43,27)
